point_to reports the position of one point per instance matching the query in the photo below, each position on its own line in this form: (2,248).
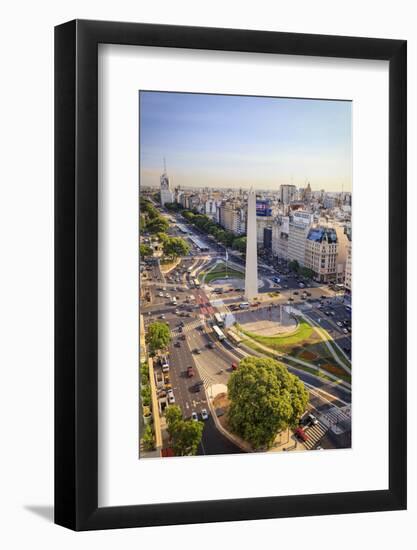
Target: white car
(204,414)
(171,396)
(162,316)
(345,331)
(161,294)
(339,323)
(194,416)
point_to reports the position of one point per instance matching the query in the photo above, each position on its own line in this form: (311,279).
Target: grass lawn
(304,333)
(219,272)
(304,344)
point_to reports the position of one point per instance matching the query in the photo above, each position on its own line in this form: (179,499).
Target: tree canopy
(264,399)
(185,434)
(175,246)
(145,250)
(158,336)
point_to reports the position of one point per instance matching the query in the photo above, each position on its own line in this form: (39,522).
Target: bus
(236,340)
(218,333)
(219,319)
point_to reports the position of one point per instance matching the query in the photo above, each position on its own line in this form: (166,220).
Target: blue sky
(244,141)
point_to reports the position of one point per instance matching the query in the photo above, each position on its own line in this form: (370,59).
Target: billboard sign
(263,208)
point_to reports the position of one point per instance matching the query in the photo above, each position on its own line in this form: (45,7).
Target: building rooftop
(322,234)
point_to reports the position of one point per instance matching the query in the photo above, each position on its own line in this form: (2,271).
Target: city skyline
(208,143)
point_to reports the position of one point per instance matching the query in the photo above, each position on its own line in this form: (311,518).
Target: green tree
(172,416)
(185,434)
(239,244)
(145,250)
(294,265)
(175,246)
(188,215)
(148,439)
(265,399)
(157,225)
(306,272)
(158,336)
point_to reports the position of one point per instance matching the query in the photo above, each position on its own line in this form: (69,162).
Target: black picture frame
(76,272)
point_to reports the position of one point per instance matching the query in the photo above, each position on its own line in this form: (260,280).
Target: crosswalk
(338,419)
(315,434)
(187,328)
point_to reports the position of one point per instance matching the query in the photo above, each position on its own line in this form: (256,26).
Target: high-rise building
(321,253)
(348,271)
(299,227)
(165,190)
(288,193)
(251,273)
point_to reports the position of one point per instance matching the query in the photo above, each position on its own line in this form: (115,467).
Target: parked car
(234,366)
(300,433)
(312,419)
(194,416)
(211,345)
(171,396)
(190,372)
(204,414)
(197,351)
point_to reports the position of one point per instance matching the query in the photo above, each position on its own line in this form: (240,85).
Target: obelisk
(251,274)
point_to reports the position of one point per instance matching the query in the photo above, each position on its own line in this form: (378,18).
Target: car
(197,351)
(175,289)
(194,416)
(290,299)
(327,312)
(170,396)
(211,345)
(312,419)
(161,294)
(323,297)
(333,313)
(295,292)
(308,293)
(182,337)
(177,312)
(339,323)
(300,434)
(180,329)
(164,289)
(162,316)
(345,331)
(177,344)
(190,372)
(204,414)
(234,366)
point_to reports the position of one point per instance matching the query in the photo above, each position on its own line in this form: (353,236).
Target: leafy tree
(294,265)
(185,434)
(175,246)
(145,250)
(158,336)
(172,416)
(146,396)
(265,399)
(148,439)
(157,225)
(188,215)
(306,272)
(239,244)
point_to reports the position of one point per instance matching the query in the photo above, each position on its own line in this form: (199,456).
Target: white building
(165,189)
(321,253)
(251,272)
(288,193)
(299,227)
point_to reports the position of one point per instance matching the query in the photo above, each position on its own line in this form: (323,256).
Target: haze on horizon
(226,141)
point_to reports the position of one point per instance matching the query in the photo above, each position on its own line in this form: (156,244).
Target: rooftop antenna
(165,166)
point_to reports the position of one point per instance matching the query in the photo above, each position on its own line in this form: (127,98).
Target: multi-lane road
(193,344)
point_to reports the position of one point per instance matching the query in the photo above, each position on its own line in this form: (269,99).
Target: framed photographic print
(230,275)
